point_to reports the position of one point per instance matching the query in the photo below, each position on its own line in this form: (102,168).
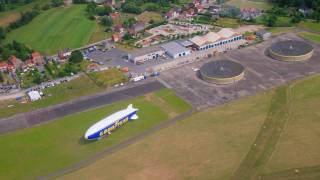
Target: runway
(29,119)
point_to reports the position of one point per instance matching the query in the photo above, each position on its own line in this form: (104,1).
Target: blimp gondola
(108,124)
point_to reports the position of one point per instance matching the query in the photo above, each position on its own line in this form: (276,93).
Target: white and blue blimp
(108,124)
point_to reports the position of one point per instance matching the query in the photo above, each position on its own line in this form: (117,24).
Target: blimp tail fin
(134,117)
(130,107)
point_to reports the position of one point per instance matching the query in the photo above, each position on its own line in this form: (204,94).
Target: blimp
(108,124)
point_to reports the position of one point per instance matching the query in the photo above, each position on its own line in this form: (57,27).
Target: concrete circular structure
(222,72)
(291,50)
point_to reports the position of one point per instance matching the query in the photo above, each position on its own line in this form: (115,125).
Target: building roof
(291,48)
(212,37)
(174,48)
(147,50)
(34,95)
(221,69)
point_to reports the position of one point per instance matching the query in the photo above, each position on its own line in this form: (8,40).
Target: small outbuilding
(34,95)
(175,50)
(263,34)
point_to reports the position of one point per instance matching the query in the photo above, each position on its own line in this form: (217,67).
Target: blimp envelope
(115,120)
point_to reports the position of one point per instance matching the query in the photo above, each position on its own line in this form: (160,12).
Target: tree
(270,20)
(128,23)
(106,21)
(131,8)
(2,33)
(57,3)
(127,36)
(76,57)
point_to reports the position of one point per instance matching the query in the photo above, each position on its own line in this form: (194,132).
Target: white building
(175,50)
(34,95)
(146,54)
(212,39)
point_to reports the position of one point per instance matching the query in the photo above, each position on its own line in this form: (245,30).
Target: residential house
(37,59)
(115,15)
(15,62)
(139,26)
(64,54)
(116,37)
(249,13)
(172,14)
(3,66)
(119,28)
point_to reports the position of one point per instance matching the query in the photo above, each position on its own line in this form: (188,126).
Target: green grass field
(67,91)
(43,149)
(272,135)
(227,23)
(311,25)
(55,29)
(12,15)
(108,78)
(313,37)
(250,4)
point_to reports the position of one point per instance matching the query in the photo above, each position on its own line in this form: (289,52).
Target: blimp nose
(86,136)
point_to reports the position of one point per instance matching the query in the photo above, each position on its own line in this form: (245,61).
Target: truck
(138,78)
(155,74)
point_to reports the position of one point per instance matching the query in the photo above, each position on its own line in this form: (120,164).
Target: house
(64,54)
(145,54)
(115,15)
(3,66)
(119,28)
(172,14)
(37,59)
(15,62)
(97,1)
(249,13)
(29,63)
(116,37)
(263,34)
(93,67)
(139,26)
(175,50)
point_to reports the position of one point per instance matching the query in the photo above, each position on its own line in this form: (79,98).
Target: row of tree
(9,4)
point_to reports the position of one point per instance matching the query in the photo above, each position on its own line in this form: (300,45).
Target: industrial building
(291,50)
(175,50)
(213,39)
(145,54)
(222,72)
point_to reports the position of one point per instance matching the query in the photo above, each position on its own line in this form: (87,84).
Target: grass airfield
(40,150)
(271,135)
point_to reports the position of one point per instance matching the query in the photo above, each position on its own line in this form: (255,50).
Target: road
(29,119)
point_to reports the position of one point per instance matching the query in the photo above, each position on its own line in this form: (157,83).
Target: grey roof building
(145,54)
(175,50)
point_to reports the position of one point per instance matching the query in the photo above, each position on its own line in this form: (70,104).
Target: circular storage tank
(222,72)
(291,50)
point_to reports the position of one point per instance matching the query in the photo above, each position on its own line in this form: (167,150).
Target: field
(310,25)
(299,145)
(272,135)
(147,16)
(9,16)
(207,145)
(280,30)
(313,37)
(227,23)
(40,150)
(56,29)
(61,93)
(108,77)
(250,4)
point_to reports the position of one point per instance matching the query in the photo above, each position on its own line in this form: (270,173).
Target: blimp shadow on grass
(108,124)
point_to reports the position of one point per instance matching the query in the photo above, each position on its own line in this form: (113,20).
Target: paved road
(48,114)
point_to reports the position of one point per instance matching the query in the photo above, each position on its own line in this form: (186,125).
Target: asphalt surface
(261,73)
(32,118)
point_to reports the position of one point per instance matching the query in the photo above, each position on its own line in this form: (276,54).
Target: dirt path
(267,138)
(308,173)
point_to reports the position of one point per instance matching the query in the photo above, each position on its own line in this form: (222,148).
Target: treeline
(10,4)
(313,4)
(17,49)
(138,6)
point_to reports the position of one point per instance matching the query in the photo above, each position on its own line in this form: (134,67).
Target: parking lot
(262,73)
